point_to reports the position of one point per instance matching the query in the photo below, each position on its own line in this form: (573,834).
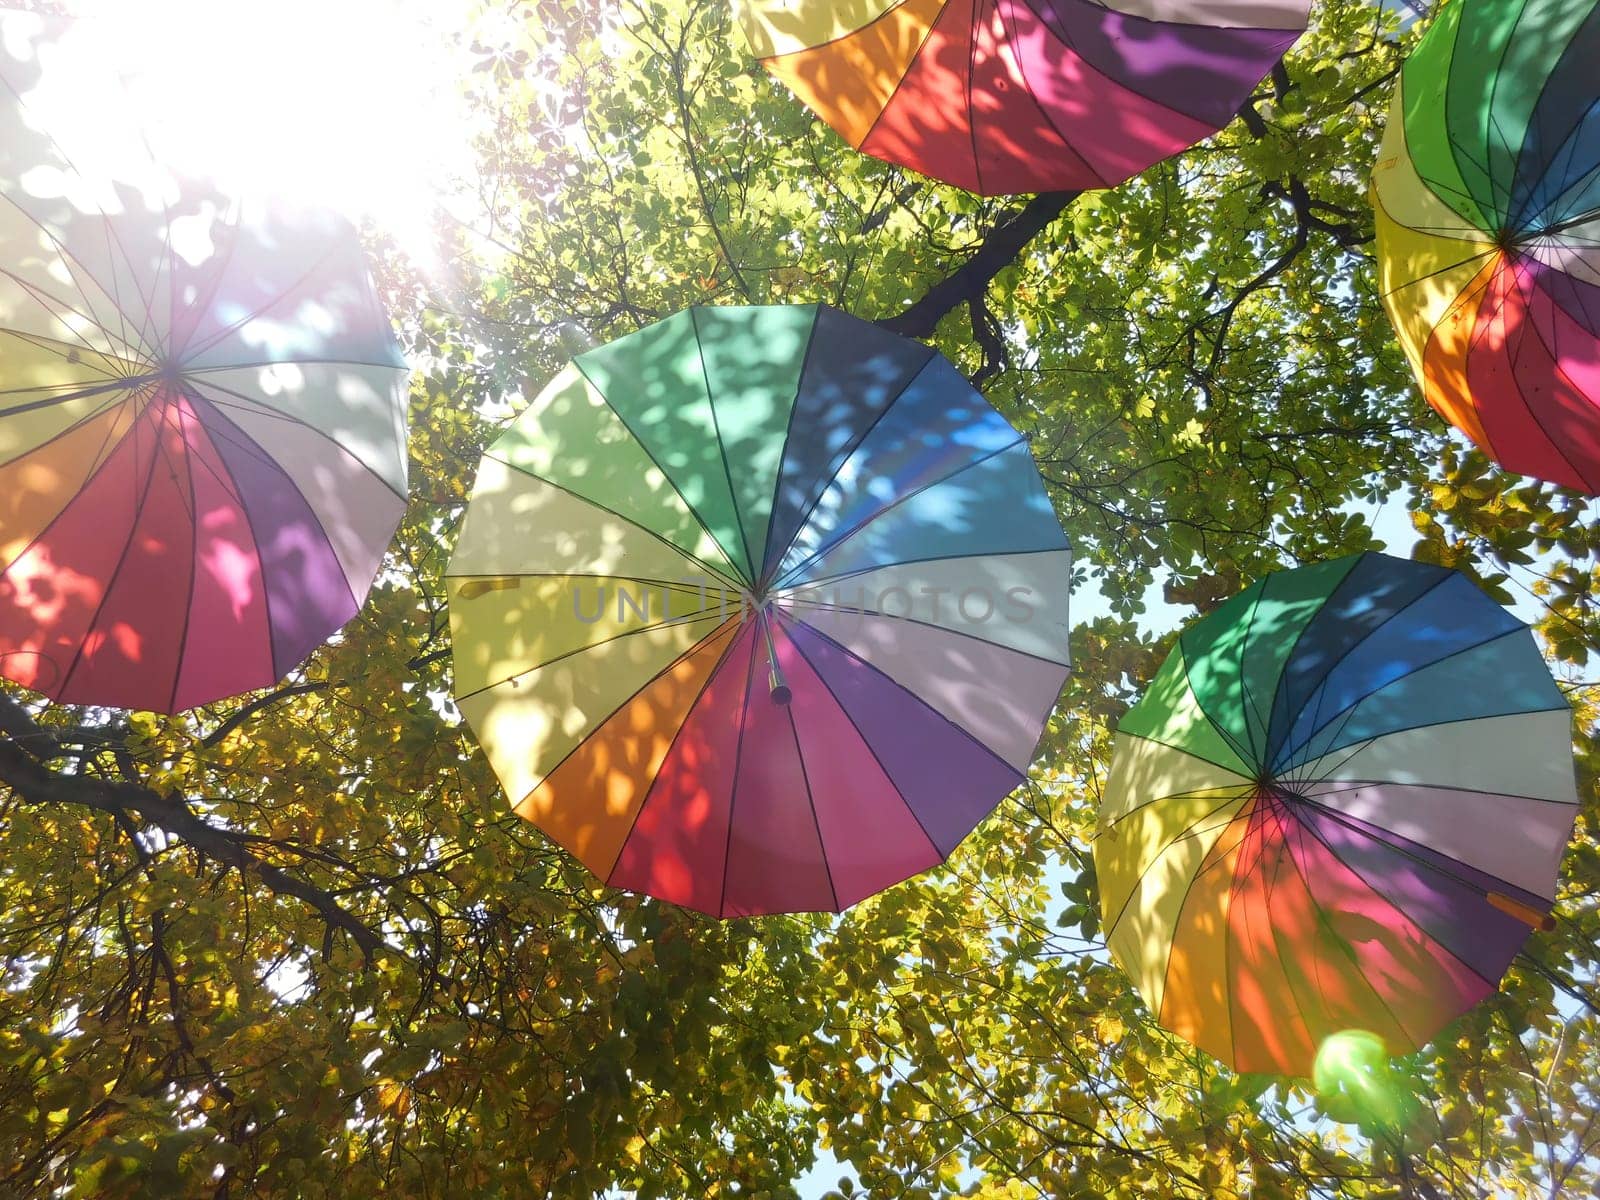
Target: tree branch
(999,249)
(39,785)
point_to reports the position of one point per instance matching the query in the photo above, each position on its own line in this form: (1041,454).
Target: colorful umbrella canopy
(1487,192)
(1340,806)
(759,609)
(1003,96)
(202,409)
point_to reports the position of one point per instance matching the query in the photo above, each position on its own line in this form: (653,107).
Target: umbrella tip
(781,693)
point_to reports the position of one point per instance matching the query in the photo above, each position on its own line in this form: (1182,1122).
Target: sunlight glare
(352,104)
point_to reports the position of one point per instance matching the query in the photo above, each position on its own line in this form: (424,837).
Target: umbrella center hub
(1279,790)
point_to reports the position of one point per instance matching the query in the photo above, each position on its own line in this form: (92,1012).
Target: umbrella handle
(775,681)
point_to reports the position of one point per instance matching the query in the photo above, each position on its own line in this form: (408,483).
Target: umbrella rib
(1257,756)
(212,285)
(1243,753)
(166,255)
(55,306)
(1284,822)
(1230,938)
(68,256)
(1339,818)
(1446,193)
(1566,148)
(848,451)
(1309,776)
(1188,891)
(673,546)
(1345,820)
(1145,737)
(61,350)
(767,550)
(677,586)
(795,607)
(82,393)
(127,545)
(856,572)
(711,676)
(1513,361)
(915,699)
(98,411)
(882,766)
(68,259)
(840,539)
(1555,358)
(1196,828)
(296,361)
(1319,685)
(141,329)
(1475,340)
(733,795)
(216,274)
(1284,859)
(665,474)
(1359,784)
(1104,828)
(811,803)
(99,461)
(186,352)
(1294,647)
(752,568)
(667,623)
(1583,217)
(237,437)
(1355,748)
(1498,186)
(894,92)
(254,406)
(1344,715)
(1489,249)
(194,564)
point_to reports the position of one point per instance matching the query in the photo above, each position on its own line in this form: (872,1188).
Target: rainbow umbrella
(1003,96)
(1487,192)
(202,409)
(1340,806)
(759,609)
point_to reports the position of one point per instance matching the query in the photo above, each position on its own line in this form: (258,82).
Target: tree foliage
(295,945)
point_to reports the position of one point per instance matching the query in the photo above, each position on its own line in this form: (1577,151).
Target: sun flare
(351,104)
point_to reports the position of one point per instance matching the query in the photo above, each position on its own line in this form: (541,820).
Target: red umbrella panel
(1006,96)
